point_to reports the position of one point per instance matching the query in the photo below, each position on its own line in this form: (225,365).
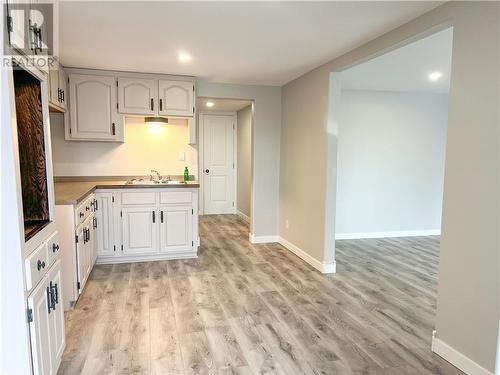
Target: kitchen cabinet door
(19,19)
(93,114)
(93,240)
(176,98)
(88,246)
(56,317)
(139,230)
(63,83)
(58,83)
(105,227)
(176,227)
(41,347)
(136,96)
(55,95)
(81,258)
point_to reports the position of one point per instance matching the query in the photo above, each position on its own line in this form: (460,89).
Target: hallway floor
(258,309)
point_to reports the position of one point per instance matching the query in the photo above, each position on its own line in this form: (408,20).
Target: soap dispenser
(186,174)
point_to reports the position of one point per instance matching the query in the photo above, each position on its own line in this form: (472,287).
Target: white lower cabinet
(77,227)
(176,229)
(104,216)
(139,230)
(85,250)
(46,321)
(81,258)
(56,316)
(39,305)
(147,224)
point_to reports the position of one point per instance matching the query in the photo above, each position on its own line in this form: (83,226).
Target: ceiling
(221,105)
(406,68)
(265,43)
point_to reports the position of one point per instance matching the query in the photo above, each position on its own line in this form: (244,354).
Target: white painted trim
(409,233)
(243,216)
(456,358)
(497,361)
(262,239)
(322,267)
(146,258)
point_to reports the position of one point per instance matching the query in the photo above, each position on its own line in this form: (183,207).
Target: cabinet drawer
(53,248)
(134,198)
(176,197)
(82,211)
(36,265)
(80,214)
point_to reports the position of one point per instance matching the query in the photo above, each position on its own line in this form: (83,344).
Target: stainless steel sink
(172,182)
(153,182)
(142,182)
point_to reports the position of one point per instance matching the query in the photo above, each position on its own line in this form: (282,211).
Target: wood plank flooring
(258,309)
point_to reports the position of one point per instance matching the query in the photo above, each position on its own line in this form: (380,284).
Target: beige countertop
(69,192)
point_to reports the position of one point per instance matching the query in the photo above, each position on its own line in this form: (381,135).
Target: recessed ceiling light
(434,76)
(210,104)
(185,57)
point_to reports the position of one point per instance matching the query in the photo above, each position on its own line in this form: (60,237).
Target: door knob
(206,170)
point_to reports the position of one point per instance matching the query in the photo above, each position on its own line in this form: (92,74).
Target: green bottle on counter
(186,174)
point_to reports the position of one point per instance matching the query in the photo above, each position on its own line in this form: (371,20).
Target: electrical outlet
(287,224)
(182,156)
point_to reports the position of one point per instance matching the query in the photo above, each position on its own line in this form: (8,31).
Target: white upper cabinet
(63,87)
(58,97)
(55,93)
(176,98)
(93,114)
(137,96)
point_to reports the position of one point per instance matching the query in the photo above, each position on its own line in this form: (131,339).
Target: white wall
(390,163)
(265,152)
(468,289)
(244,159)
(146,147)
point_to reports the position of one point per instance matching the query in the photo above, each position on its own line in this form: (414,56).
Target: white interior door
(218,164)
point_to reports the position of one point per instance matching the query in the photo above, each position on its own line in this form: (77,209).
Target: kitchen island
(113,221)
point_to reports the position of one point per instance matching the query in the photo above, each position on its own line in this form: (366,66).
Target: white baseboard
(456,358)
(243,216)
(320,266)
(147,258)
(262,239)
(408,233)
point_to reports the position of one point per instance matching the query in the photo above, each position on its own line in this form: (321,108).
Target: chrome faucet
(157,174)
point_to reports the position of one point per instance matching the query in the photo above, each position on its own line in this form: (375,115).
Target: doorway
(392,129)
(225,131)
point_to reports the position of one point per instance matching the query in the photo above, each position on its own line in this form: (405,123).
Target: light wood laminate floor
(258,309)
